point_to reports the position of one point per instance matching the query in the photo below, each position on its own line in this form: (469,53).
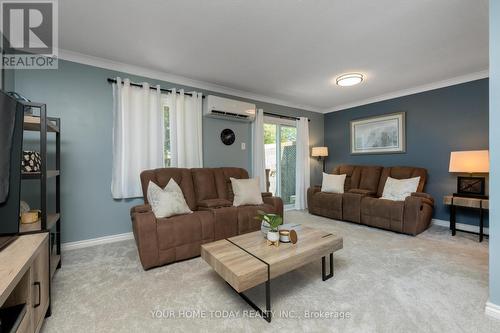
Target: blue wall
(82,98)
(8,79)
(495,151)
(437,122)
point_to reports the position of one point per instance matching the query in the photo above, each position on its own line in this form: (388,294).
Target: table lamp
(471,162)
(320,153)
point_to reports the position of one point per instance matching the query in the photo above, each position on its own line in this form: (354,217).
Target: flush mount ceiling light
(350,79)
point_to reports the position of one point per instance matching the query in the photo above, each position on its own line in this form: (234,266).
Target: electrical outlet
(243,146)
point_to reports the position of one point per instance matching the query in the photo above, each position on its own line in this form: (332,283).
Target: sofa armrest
(362,192)
(214,203)
(140,209)
(266,194)
(144,228)
(417,213)
(311,191)
(276,202)
(428,197)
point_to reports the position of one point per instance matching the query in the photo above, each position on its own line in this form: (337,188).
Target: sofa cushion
(399,189)
(204,184)
(364,177)
(333,183)
(327,204)
(162,176)
(369,178)
(225,221)
(351,206)
(185,229)
(402,173)
(382,213)
(223,181)
(352,175)
(362,192)
(246,192)
(168,201)
(214,203)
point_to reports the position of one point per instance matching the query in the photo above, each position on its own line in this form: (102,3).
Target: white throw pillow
(399,189)
(167,202)
(246,192)
(333,183)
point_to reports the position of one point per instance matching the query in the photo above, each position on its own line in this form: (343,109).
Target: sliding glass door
(280,136)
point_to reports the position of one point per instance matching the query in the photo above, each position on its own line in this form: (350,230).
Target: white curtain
(302,179)
(137,136)
(258,153)
(185,129)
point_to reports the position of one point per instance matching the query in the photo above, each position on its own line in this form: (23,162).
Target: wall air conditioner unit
(229,109)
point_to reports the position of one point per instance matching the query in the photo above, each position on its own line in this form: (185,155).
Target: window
(166,146)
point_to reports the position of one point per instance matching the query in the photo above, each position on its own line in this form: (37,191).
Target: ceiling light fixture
(349,79)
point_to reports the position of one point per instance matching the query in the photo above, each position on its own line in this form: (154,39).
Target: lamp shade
(472,161)
(319,151)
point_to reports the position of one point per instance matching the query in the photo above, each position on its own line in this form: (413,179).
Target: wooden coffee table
(246,261)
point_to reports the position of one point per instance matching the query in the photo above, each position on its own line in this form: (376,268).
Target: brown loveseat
(361,202)
(208,193)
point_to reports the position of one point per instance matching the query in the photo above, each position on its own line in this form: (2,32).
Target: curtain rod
(110,80)
(282,116)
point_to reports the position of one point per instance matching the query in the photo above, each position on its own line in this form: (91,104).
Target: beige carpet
(384,282)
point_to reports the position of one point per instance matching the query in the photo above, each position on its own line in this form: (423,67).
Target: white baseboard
(129,235)
(96,241)
(462,226)
(492,310)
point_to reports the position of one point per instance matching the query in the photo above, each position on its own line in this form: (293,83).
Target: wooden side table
(471,203)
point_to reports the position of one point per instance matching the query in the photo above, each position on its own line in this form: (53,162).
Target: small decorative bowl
(285,236)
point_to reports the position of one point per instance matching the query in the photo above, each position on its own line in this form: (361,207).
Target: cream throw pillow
(168,201)
(399,189)
(246,192)
(333,183)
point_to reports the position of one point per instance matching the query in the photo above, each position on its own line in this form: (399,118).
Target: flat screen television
(11,145)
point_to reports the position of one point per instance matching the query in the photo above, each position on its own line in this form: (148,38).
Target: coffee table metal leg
(268,301)
(323,269)
(267,315)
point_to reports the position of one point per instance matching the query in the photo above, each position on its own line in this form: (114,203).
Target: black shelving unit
(49,221)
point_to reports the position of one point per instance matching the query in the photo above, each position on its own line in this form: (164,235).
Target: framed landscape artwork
(379,134)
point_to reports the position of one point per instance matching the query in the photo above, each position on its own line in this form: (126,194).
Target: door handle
(37,284)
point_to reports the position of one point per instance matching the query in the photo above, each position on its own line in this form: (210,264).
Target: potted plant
(270,223)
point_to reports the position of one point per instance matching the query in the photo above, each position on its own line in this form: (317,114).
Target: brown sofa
(361,202)
(208,193)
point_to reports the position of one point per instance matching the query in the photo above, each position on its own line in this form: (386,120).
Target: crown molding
(182,80)
(414,90)
(177,79)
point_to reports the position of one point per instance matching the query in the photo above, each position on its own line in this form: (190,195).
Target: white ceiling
(288,50)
